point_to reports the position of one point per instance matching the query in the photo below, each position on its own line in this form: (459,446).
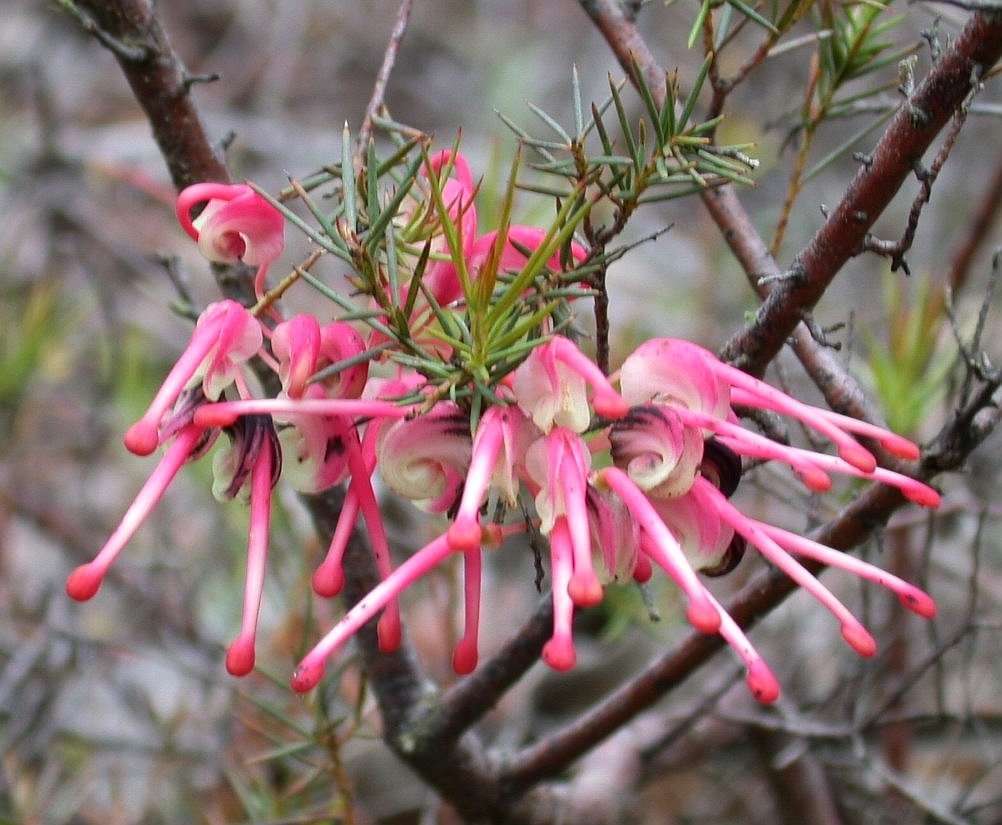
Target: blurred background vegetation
(119,711)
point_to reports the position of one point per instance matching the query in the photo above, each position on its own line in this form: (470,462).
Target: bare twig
(906,138)
(382,78)
(161,85)
(927,177)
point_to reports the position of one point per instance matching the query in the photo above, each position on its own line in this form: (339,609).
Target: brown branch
(841,390)
(459,771)
(469,699)
(927,177)
(383,77)
(902,145)
(162,87)
(767,590)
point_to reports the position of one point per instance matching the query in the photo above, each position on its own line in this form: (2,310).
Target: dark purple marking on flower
(335,446)
(721,467)
(249,435)
(183,415)
(732,558)
(637,417)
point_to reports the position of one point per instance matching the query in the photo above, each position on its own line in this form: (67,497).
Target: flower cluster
(624,480)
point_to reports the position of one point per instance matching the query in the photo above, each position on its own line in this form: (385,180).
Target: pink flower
(252,464)
(688,377)
(84,582)
(551,387)
(237,224)
(225,336)
(458,193)
(425,459)
(496,458)
(296,346)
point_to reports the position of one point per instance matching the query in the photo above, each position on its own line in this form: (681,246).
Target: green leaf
(753,15)
(645,94)
(377,229)
(697,25)
(690,101)
(549,121)
(578,108)
(348,180)
(624,125)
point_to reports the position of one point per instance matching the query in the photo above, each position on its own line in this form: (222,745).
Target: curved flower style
(225,336)
(84,582)
(237,224)
(252,464)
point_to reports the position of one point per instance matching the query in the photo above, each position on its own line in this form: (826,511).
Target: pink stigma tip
(307,676)
(762,683)
(464,535)
(918,602)
(923,496)
(328,579)
(859,639)
(464,658)
(559,654)
(643,570)
(703,616)
(610,406)
(212,416)
(141,438)
(84,582)
(858,457)
(818,481)
(388,632)
(240,657)
(901,447)
(585,589)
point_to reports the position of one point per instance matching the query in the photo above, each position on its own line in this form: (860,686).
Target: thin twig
(977,47)
(927,177)
(382,78)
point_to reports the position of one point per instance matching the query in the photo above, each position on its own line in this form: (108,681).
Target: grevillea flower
(495,463)
(252,464)
(557,465)
(426,458)
(84,582)
(665,504)
(551,388)
(660,500)
(236,224)
(225,336)
(296,346)
(458,192)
